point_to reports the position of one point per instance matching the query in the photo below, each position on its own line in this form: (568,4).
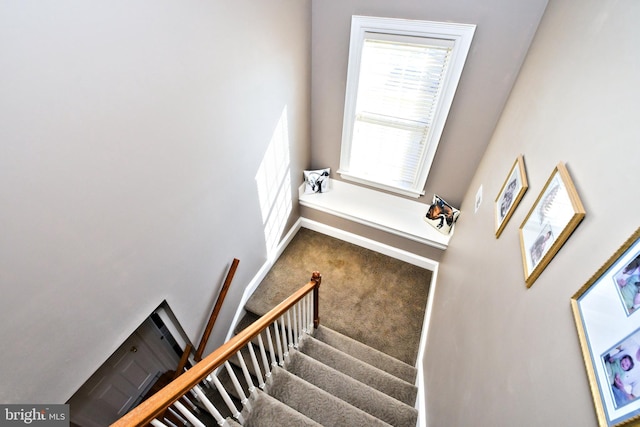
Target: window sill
(382,211)
(397,190)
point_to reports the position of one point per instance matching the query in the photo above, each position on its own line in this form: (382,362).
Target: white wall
(500,354)
(131,135)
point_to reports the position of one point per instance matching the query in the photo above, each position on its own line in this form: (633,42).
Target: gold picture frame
(553,217)
(608,323)
(511,192)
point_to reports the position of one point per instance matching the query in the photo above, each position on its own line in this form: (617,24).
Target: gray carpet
(267,411)
(316,403)
(366,354)
(363,372)
(352,391)
(372,298)
(322,384)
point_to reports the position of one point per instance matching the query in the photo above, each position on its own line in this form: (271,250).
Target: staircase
(330,379)
(333,380)
(285,369)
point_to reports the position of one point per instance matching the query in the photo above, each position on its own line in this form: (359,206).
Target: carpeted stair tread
(361,371)
(232,423)
(352,391)
(267,411)
(354,348)
(367,354)
(316,403)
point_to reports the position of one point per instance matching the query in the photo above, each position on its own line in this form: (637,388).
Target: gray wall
(500,354)
(504,31)
(131,135)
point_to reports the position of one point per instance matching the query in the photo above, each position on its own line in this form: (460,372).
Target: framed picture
(554,216)
(608,323)
(510,194)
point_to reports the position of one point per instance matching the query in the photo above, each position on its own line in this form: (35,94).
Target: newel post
(316,277)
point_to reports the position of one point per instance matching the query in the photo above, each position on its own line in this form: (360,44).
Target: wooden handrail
(156,404)
(317,278)
(216,309)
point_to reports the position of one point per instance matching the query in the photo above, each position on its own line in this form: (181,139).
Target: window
(400,85)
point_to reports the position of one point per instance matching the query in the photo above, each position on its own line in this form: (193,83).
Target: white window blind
(399,88)
(395,94)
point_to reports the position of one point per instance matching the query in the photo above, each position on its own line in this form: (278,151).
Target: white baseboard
(364,242)
(421,399)
(259,277)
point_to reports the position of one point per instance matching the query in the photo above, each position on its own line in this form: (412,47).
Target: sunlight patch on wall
(274,185)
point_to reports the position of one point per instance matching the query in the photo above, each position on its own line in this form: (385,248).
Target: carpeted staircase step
(361,371)
(267,411)
(315,403)
(233,423)
(367,354)
(354,348)
(354,392)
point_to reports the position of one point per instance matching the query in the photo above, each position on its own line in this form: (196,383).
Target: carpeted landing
(375,299)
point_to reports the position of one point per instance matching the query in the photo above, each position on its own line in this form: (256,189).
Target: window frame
(460,34)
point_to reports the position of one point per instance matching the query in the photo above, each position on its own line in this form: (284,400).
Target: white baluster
(227,399)
(296,334)
(188,415)
(263,354)
(177,415)
(236,384)
(256,366)
(156,423)
(278,342)
(285,346)
(271,349)
(246,373)
(310,312)
(208,405)
(300,322)
(187,397)
(289,329)
(303,315)
(303,302)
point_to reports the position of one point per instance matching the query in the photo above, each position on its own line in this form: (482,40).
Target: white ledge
(382,211)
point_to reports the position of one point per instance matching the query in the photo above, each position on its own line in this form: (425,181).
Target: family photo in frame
(553,217)
(623,376)
(628,285)
(510,194)
(608,324)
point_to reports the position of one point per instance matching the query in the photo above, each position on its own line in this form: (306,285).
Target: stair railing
(216,309)
(288,321)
